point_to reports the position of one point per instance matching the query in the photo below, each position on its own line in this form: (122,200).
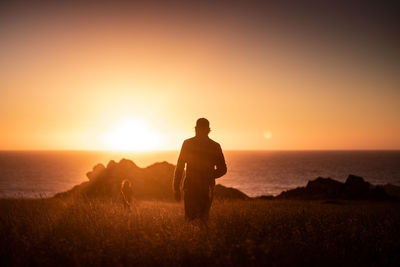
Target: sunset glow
(70,75)
(132,135)
(199,133)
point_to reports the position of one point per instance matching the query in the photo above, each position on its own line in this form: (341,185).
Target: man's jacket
(204,163)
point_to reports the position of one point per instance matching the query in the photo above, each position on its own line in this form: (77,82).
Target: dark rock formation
(265,197)
(152,182)
(222,192)
(392,190)
(356,188)
(155,182)
(96,171)
(326,188)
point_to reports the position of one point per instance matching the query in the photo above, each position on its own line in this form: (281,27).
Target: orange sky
(69,78)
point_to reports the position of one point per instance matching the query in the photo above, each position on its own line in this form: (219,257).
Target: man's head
(202,127)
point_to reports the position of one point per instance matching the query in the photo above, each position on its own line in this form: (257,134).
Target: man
(204,163)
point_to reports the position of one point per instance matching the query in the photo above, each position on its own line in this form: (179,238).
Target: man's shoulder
(194,140)
(216,144)
(189,140)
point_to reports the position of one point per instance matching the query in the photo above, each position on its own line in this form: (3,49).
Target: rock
(111,164)
(296,193)
(222,192)
(326,188)
(97,170)
(356,188)
(152,182)
(378,193)
(392,190)
(265,197)
(320,188)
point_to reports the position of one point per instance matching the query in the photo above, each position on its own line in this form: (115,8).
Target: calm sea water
(42,174)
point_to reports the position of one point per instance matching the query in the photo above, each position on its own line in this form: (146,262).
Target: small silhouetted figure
(204,163)
(127,193)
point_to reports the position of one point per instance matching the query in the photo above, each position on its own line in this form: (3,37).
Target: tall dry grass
(255,232)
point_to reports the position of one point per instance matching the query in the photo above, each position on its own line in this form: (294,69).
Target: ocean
(35,174)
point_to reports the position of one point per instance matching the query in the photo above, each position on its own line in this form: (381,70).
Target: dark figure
(127,193)
(204,163)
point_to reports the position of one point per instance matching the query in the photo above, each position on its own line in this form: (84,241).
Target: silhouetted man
(204,163)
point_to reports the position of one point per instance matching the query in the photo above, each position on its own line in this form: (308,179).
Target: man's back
(204,163)
(202,155)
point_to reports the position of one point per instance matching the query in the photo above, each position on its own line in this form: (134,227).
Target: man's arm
(180,166)
(220,164)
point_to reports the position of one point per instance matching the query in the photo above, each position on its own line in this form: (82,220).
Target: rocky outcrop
(152,182)
(326,188)
(222,192)
(392,190)
(155,182)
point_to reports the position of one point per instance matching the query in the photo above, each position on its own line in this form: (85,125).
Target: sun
(132,135)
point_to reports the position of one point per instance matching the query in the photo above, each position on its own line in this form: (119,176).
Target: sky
(275,76)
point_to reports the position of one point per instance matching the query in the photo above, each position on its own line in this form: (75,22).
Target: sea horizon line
(177,150)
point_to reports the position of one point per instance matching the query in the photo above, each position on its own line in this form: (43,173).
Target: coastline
(254,173)
(88,225)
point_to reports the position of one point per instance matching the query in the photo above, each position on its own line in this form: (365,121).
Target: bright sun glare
(132,135)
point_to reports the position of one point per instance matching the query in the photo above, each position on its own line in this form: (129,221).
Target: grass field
(241,233)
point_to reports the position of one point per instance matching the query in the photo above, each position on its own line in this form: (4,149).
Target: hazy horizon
(177,150)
